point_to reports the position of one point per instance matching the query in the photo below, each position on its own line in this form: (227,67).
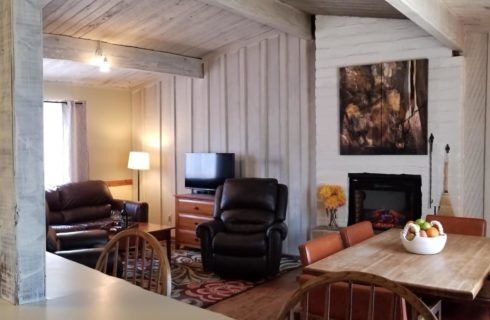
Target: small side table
(161,232)
(319,231)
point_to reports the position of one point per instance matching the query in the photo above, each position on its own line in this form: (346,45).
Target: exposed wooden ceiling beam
(272,13)
(82,50)
(434,17)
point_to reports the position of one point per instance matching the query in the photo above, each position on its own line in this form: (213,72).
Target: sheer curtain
(65,143)
(75,140)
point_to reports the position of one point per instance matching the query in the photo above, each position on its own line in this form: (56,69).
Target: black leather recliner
(245,237)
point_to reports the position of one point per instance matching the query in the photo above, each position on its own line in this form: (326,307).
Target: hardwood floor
(262,302)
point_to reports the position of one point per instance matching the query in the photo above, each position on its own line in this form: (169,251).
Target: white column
(22,217)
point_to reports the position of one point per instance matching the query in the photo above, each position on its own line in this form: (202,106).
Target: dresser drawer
(191,221)
(201,207)
(187,237)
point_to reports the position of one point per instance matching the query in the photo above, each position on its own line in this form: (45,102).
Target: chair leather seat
(234,244)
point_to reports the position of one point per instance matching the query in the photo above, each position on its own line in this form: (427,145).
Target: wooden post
(22,215)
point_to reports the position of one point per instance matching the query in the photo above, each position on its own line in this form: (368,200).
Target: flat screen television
(205,172)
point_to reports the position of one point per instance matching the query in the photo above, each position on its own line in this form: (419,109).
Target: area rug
(192,285)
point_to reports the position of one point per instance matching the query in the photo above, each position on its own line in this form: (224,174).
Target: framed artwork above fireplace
(383,108)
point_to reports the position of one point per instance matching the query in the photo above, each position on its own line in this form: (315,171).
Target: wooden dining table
(458,272)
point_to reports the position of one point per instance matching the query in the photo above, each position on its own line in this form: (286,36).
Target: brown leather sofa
(245,237)
(87,205)
(75,213)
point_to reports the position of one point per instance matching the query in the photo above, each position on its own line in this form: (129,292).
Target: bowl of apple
(423,237)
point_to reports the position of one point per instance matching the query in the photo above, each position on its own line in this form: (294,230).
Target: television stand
(191,210)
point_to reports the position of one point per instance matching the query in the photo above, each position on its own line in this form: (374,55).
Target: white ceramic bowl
(424,245)
(421,245)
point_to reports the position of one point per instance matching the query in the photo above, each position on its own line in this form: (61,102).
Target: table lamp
(139,161)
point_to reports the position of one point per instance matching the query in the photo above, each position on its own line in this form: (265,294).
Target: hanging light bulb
(101,60)
(104,65)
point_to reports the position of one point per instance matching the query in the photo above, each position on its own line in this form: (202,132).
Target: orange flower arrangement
(333,196)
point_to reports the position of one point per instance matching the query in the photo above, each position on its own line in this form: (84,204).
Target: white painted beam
(22,216)
(434,17)
(272,13)
(83,50)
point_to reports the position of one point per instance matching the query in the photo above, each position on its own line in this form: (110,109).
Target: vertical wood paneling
(136,127)
(200,116)
(274,159)
(254,157)
(487,145)
(168,155)
(476,52)
(150,179)
(183,128)
(242,69)
(233,106)
(254,101)
(294,136)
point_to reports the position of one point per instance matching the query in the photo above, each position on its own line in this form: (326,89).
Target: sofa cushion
(81,226)
(84,194)
(253,193)
(247,220)
(53,199)
(86,213)
(239,244)
(55,217)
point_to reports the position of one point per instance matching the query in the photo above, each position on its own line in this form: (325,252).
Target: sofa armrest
(137,210)
(87,257)
(81,239)
(280,227)
(210,228)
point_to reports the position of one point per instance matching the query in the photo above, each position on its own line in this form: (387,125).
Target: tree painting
(383,108)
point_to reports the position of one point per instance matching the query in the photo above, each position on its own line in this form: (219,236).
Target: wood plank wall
(476,58)
(256,101)
(343,41)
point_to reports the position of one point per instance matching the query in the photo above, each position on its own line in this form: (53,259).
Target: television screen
(207,171)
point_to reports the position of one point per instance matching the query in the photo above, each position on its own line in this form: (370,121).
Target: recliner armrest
(280,227)
(137,210)
(81,239)
(211,227)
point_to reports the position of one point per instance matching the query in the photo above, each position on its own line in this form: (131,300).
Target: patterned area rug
(192,285)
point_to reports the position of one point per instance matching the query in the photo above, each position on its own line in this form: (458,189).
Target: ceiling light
(104,65)
(101,60)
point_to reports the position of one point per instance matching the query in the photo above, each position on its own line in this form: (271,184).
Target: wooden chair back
(461,225)
(298,303)
(137,257)
(320,248)
(357,233)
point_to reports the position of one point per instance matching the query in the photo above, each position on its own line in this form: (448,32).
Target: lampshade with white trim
(139,160)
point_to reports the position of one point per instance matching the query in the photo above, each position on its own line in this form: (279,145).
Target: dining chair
(320,248)
(394,308)
(142,258)
(356,233)
(461,225)
(454,310)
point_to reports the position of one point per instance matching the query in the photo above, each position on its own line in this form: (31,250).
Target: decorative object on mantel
(383,108)
(333,197)
(431,145)
(445,206)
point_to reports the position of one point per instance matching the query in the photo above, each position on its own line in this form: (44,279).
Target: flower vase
(333,218)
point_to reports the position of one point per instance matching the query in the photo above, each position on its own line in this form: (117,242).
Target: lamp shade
(139,160)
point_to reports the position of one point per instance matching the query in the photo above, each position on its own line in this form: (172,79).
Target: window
(55,172)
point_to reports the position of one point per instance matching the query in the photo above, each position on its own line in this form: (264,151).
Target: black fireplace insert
(387,200)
